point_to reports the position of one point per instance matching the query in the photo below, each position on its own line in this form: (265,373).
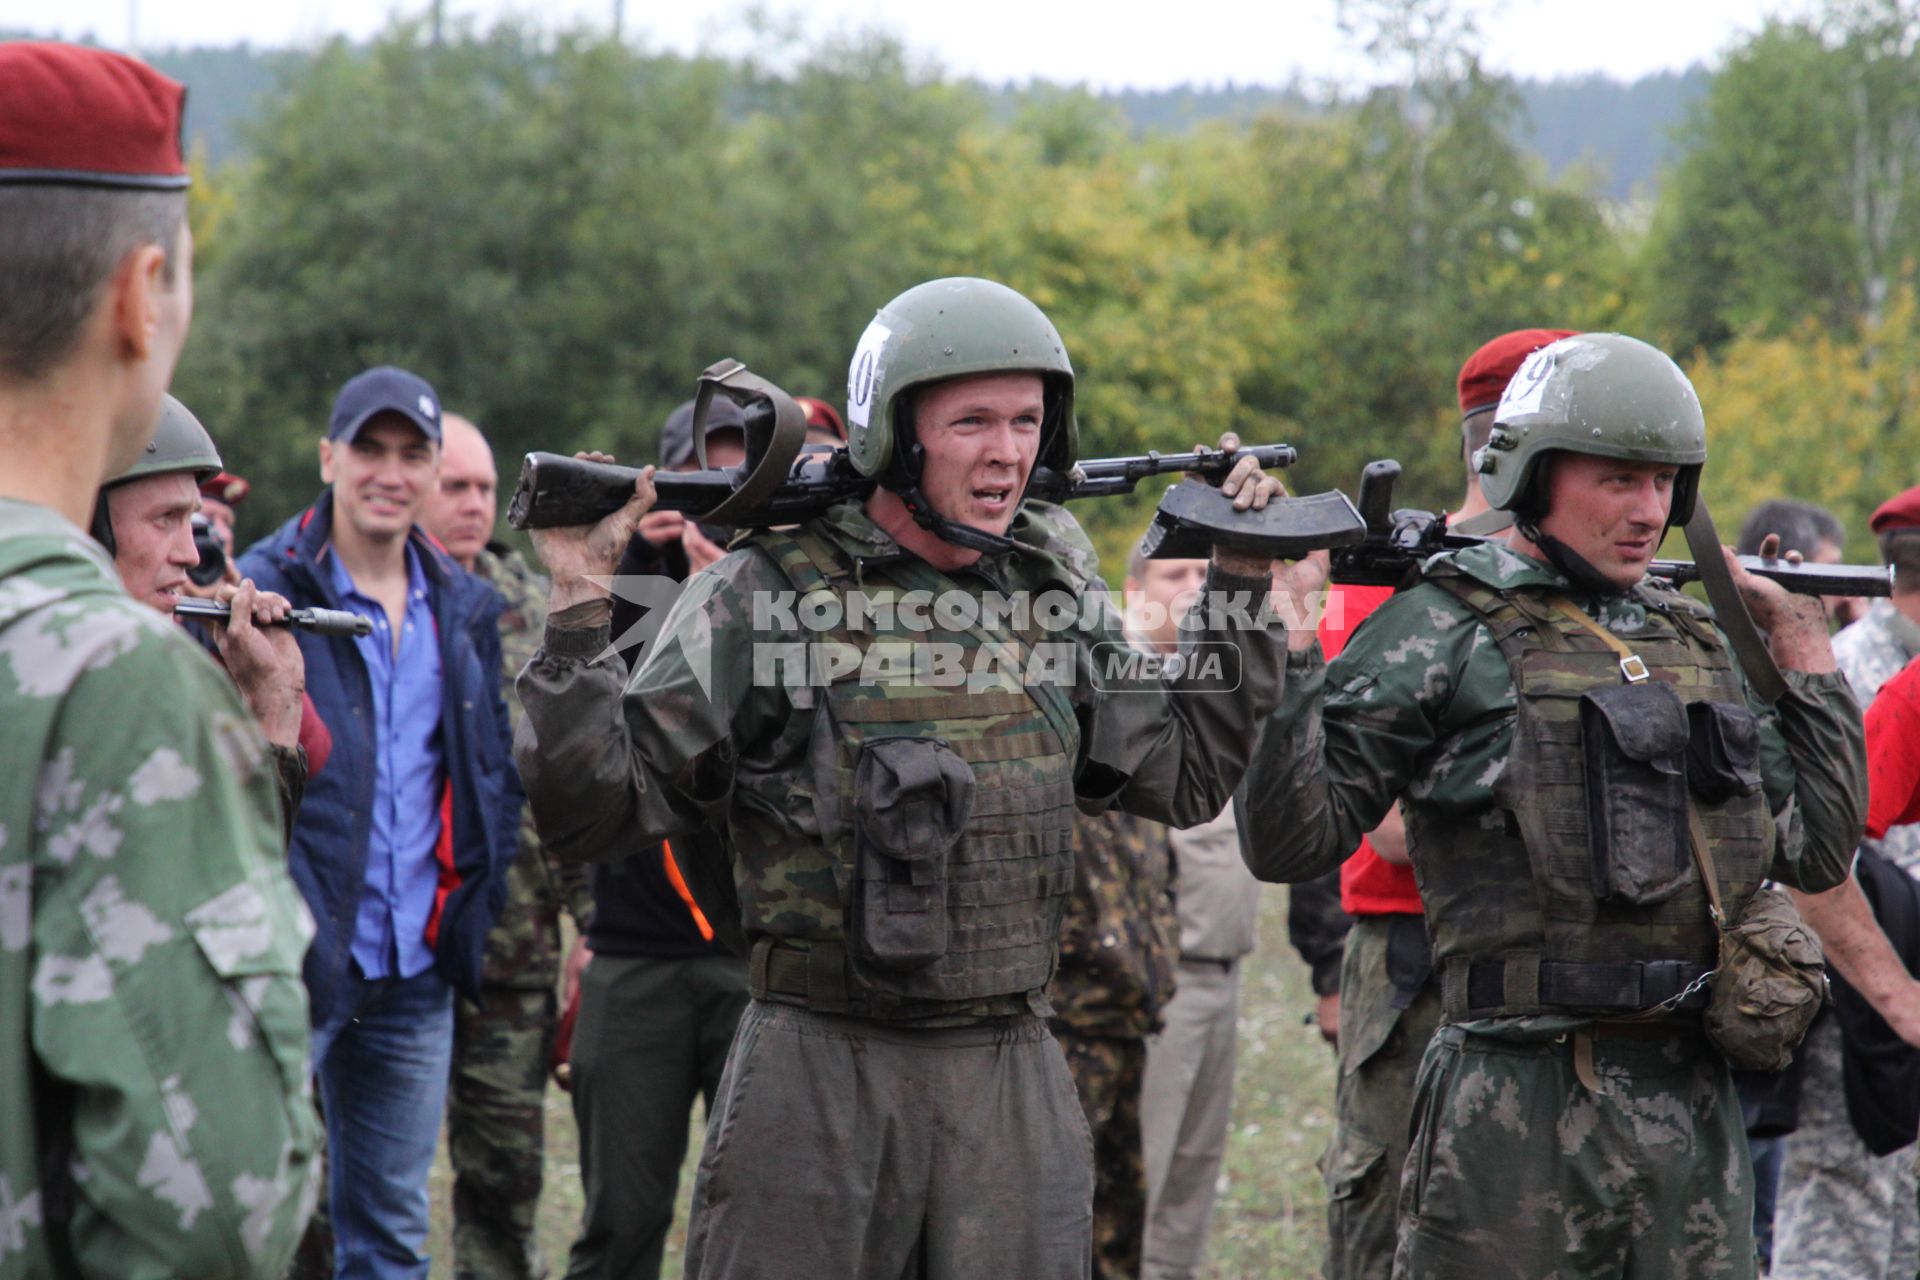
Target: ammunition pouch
(1723,751)
(914,798)
(1634,747)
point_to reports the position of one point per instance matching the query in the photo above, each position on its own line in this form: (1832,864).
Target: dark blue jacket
(482,793)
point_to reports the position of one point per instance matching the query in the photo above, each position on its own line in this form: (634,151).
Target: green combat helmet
(179,443)
(945,329)
(1596,393)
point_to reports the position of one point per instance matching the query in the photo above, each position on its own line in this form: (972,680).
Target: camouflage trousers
(1107,1072)
(1519,1172)
(1843,1213)
(496,1130)
(1380,1052)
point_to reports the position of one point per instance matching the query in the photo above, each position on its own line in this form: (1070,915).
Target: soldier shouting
(899,846)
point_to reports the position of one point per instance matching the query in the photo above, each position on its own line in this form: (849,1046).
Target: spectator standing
(220,493)
(154,1117)
(658,996)
(502,1043)
(1840,1209)
(402,844)
(1187,1100)
(1117,948)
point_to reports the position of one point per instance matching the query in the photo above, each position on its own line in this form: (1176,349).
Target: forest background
(559,230)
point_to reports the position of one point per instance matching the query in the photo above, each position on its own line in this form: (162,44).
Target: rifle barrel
(556,490)
(322,622)
(1803,579)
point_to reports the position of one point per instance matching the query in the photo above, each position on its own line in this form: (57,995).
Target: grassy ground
(1271,1216)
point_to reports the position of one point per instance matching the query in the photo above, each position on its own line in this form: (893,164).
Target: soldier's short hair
(1901,549)
(59,245)
(1137,562)
(1802,527)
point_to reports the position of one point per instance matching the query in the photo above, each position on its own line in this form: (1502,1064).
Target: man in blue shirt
(401,848)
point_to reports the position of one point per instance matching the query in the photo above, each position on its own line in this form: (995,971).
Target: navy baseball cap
(676,436)
(385,390)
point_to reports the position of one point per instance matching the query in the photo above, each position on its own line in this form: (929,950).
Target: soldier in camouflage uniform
(496,1103)
(154,1113)
(1571,1116)
(1389,1001)
(893,849)
(1844,1213)
(1118,946)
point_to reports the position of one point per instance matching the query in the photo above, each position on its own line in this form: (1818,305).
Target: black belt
(1635,985)
(1211,962)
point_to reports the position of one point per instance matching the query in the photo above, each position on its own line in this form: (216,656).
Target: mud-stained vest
(997,906)
(1517,924)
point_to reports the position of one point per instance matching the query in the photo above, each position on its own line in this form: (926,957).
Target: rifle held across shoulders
(1397,540)
(779,484)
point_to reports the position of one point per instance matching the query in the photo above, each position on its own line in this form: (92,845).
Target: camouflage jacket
(523,949)
(704,738)
(1421,706)
(1869,653)
(1120,939)
(150,940)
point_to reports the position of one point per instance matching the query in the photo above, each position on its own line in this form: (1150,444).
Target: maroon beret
(821,415)
(86,117)
(1901,511)
(226,487)
(1487,371)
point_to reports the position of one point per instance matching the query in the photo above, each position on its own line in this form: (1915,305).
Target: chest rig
(1578,894)
(943,794)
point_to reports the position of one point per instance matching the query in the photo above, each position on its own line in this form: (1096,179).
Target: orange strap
(686,894)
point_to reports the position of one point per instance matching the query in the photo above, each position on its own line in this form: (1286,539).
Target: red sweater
(1369,884)
(1893,753)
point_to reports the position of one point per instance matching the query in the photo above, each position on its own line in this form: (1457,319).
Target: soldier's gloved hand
(1796,625)
(574,553)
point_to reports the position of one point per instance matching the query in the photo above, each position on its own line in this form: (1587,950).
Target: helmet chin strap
(1568,561)
(960,535)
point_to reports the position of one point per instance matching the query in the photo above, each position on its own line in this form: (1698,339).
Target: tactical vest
(1519,922)
(945,897)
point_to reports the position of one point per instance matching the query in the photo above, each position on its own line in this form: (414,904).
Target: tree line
(560,231)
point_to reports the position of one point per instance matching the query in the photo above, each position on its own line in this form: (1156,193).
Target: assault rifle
(778,484)
(1397,540)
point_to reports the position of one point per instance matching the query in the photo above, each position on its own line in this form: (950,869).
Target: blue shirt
(403,876)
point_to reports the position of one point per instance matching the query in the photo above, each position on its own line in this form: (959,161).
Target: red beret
(1487,371)
(821,415)
(226,487)
(1901,511)
(87,117)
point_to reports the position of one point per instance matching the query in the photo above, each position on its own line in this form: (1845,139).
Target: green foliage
(1831,418)
(560,232)
(1798,198)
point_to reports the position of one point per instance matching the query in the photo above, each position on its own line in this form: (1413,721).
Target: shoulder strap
(1730,611)
(1633,669)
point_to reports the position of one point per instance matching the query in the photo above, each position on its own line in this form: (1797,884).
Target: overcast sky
(1104,43)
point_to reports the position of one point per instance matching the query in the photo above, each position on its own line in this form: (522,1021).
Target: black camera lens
(213,556)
